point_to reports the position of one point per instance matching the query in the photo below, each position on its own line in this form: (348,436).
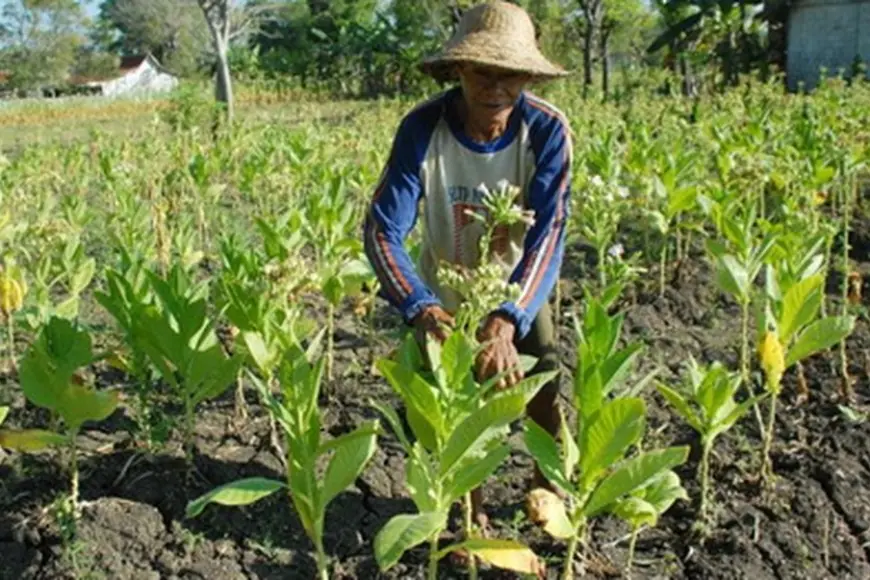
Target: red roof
(128,63)
(131,62)
(4,76)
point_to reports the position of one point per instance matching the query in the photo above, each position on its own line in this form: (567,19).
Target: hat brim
(499,53)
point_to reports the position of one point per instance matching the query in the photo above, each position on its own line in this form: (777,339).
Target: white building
(137,75)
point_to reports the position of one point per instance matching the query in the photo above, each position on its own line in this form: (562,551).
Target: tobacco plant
(51,377)
(310,488)
(459,428)
(792,332)
(706,400)
(592,467)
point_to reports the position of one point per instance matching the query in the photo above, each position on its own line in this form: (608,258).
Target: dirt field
(816,525)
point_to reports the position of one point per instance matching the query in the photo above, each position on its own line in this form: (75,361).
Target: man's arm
(391,216)
(549,195)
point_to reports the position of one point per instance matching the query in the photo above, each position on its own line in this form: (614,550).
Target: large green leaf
(423,410)
(732,277)
(79,404)
(799,306)
(471,473)
(495,413)
(544,449)
(236,493)
(617,426)
(818,336)
(633,474)
(682,406)
(4,411)
(636,511)
(616,367)
(347,463)
(664,490)
(404,532)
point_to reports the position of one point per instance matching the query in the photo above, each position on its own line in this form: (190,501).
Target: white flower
(616,251)
(622,192)
(597,181)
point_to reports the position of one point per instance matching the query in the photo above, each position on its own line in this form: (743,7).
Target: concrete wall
(826,33)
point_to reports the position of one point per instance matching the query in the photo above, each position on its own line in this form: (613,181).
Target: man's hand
(499,353)
(434,321)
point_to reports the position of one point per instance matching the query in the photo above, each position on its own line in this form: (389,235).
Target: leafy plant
(706,401)
(51,378)
(13,288)
(458,427)
(592,466)
(310,488)
(792,333)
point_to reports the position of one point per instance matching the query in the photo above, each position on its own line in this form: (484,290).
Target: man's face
(489,90)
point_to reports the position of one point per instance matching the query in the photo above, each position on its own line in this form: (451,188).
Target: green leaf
(818,336)
(473,472)
(617,366)
(423,410)
(80,404)
(258,350)
(799,306)
(663,491)
(350,458)
(636,511)
(682,406)
(545,451)
(83,276)
(404,532)
(30,439)
(569,446)
(633,474)
(4,411)
(617,426)
(67,309)
(495,413)
(732,277)
(236,493)
(395,423)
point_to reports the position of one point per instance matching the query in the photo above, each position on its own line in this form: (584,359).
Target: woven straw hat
(498,34)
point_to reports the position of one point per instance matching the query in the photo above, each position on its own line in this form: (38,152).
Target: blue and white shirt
(434,164)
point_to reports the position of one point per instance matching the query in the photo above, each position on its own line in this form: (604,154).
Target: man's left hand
(499,353)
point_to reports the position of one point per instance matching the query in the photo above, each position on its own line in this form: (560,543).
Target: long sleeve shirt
(436,170)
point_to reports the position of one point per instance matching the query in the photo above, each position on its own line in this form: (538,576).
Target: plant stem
(469,533)
(631,546)
(602,277)
(10,341)
(330,340)
(433,556)
(188,430)
(744,361)
(74,474)
(579,530)
(707,445)
(766,468)
(322,562)
(846,383)
(662,265)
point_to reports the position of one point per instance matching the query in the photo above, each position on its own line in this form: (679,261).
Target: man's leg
(540,342)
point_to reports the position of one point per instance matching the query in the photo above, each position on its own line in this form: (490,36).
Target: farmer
(485,130)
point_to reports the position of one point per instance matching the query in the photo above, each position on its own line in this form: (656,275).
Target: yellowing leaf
(29,439)
(546,509)
(772,359)
(11,295)
(507,555)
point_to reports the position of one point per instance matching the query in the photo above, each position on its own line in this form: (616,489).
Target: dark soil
(815,524)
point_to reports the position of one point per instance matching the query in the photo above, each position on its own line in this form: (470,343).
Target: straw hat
(498,34)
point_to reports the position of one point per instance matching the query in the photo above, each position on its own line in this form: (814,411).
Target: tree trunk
(605,62)
(587,58)
(223,83)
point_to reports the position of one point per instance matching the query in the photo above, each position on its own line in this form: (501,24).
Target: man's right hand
(434,321)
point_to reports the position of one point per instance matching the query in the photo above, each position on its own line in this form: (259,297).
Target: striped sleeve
(548,196)
(392,215)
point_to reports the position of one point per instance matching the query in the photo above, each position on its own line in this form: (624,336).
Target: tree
(41,39)
(171,30)
(228,20)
